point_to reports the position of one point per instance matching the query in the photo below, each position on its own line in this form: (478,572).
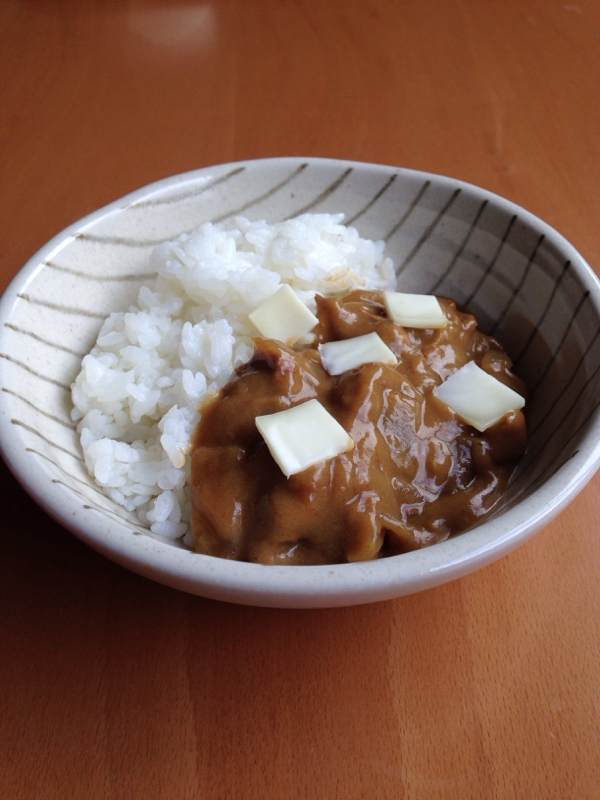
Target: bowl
(523,281)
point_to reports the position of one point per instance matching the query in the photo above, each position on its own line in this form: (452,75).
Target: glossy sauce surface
(416,475)
(123,689)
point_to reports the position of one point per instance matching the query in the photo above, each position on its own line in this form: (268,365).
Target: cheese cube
(478,397)
(415,310)
(283,316)
(302,436)
(338,357)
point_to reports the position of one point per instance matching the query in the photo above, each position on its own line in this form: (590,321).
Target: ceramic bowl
(525,283)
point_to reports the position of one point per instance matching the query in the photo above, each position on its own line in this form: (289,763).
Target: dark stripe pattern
(62,309)
(442,236)
(143,276)
(43,340)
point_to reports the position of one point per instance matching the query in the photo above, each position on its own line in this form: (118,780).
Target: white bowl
(521,278)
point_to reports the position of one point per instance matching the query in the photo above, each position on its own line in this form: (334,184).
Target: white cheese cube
(338,357)
(478,397)
(283,316)
(302,436)
(415,310)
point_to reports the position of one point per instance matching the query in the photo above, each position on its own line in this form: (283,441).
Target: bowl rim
(310,586)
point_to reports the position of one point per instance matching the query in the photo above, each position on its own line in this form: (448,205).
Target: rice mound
(137,396)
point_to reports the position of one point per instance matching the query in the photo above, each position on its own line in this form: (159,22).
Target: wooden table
(116,687)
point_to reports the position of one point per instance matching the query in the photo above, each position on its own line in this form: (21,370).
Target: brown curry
(417,474)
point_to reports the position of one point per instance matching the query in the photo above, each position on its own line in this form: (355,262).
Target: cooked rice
(137,396)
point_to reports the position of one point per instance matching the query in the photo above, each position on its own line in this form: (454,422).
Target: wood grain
(115,687)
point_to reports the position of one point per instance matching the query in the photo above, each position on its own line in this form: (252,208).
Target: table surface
(112,686)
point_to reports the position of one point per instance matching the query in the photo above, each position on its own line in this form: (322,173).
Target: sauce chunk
(417,474)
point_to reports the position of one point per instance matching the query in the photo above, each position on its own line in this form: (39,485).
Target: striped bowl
(525,283)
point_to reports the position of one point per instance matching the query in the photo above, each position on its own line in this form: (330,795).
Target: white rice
(136,398)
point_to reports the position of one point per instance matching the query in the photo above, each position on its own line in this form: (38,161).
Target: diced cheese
(415,310)
(302,436)
(478,397)
(338,357)
(283,316)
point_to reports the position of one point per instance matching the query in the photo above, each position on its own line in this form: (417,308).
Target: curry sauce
(417,474)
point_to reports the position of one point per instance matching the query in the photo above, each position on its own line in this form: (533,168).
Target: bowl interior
(522,280)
